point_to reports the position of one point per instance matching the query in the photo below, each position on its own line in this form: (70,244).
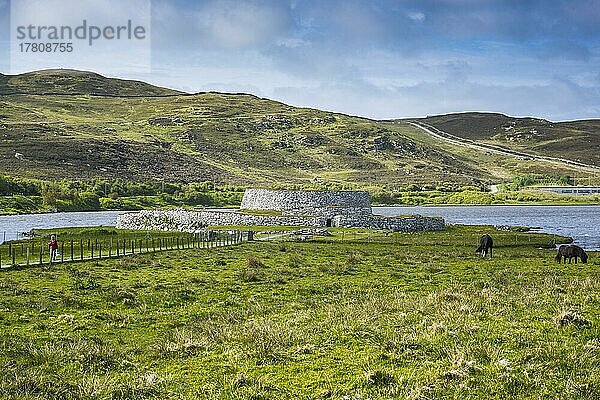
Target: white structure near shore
(571,190)
(262,207)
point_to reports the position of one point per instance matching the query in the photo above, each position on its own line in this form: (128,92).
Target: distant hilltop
(73,82)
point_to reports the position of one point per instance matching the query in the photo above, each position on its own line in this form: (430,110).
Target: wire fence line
(5,236)
(77,250)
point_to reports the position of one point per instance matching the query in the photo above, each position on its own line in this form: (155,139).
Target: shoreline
(3,214)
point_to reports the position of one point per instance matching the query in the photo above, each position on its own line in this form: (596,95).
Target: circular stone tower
(308,203)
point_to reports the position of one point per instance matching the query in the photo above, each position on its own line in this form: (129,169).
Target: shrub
(251,273)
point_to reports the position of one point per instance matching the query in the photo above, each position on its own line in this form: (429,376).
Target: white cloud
(71,12)
(236,24)
(416,16)
(110,56)
(558,100)
(358,21)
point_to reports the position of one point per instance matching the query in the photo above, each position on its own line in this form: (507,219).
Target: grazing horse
(485,243)
(570,251)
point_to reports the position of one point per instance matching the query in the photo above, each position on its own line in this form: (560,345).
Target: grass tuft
(380,378)
(570,317)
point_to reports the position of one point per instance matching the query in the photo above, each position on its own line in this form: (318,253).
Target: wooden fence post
(81,249)
(71,249)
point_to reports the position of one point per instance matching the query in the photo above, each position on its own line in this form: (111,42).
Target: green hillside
(70,82)
(573,140)
(135,132)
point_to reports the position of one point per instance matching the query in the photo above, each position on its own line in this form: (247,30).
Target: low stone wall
(413,223)
(192,221)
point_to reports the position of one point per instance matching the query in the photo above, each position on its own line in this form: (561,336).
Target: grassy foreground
(360,315)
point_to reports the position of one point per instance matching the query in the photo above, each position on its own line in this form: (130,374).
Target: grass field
(360,315)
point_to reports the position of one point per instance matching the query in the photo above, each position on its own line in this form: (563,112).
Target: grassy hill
(70,82)
(80,125)
(574,140)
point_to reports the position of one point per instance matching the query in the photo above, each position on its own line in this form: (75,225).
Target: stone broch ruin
(263,207)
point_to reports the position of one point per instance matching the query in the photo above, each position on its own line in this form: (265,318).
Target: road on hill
(488,148)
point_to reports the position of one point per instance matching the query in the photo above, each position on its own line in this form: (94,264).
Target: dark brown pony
(570,252)
(485,244)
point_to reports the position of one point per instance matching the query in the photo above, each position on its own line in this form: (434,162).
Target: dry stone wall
(298,208)
(317,203)
(413,223)
(192,221)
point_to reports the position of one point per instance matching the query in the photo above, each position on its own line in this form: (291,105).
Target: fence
(38,253)
(7,236)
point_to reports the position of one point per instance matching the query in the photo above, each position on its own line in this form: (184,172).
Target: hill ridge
(572,140)
(133,130)
(76,82)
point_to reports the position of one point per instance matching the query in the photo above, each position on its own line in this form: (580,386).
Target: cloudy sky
(379,58)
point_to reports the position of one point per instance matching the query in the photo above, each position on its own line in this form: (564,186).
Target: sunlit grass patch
(364,316)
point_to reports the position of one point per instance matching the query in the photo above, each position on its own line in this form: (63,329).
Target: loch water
(582,223)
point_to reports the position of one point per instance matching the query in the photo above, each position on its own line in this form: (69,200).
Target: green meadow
(358,315)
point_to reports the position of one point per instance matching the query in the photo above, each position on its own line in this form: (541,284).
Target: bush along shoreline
(28,196)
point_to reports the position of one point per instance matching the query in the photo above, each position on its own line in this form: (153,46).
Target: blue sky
(380,58)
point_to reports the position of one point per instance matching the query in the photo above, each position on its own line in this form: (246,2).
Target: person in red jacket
(53,246)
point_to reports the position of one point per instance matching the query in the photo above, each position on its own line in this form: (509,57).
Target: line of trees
(102,194)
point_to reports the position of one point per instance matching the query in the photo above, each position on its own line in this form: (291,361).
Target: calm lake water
(582,223)
(10,225)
